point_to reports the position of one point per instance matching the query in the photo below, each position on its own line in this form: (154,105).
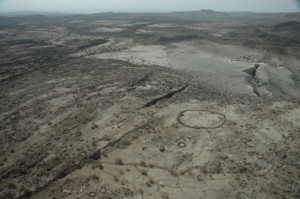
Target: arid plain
(150,105)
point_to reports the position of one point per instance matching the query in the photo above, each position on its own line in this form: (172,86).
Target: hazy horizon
(93,6)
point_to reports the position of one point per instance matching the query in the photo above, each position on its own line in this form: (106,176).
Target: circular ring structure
(181,144)
(150,113)
(201,119)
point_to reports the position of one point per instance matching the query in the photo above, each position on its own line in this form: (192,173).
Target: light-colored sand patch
(145,55)
(110,22)
(77,21)
(220,65)
(278,80)
(216,34)
(60,101)
(143,31)
(146,87)
(113,30)
(125,25)
(200,27)
(161,25)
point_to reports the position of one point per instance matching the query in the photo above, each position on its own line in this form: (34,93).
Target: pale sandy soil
(161,26)
(104,29)
(142,31)
(221,65)
(147,55)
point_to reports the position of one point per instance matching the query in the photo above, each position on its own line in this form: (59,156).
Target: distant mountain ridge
(188,15)
(29,13)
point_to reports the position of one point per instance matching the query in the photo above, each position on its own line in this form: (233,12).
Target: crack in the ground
(253,81)
(252,71)
(168,95)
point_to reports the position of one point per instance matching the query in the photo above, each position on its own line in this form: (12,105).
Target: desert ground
(150,105)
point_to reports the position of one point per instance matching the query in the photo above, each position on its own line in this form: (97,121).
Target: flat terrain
(177,105)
